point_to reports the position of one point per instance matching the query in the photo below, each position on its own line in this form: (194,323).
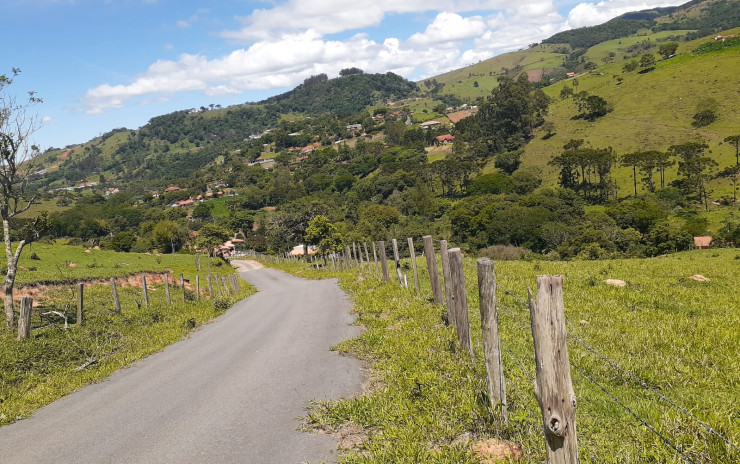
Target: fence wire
(628,374)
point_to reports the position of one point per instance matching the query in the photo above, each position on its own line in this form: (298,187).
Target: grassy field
(426,402)
(39,370)
(67,264)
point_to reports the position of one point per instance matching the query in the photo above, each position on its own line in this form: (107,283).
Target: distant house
(354,127)
(430,124)
(171,189)
(155,194)
(444,139)
(702,243)
(112,191)
(571,75)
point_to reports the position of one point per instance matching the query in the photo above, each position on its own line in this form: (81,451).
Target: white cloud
(449,27)
(169,47)
(287,43)
(182,23)
(590,14)
(48,120)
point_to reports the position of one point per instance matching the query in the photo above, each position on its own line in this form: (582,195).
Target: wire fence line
(631,412)
(628,374)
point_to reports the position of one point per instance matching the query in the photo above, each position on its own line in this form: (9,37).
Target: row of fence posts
(553,387)
(225,286)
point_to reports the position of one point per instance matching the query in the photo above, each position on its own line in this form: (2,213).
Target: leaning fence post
(461,300)
(182,284)
(197,287)
(413,264)
(24,321)
(491,341)
(116,301)
(432,266)
(449,294)
(145,291)
(167,288)
(383,261)
(397,260)
(553,385)
(81,304)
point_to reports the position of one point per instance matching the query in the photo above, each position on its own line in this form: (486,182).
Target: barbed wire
(591,456)
(512,294)
(632,413)
(631,376)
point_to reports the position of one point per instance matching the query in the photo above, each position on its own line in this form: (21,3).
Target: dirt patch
(493,451)
(348,436)
(535,75)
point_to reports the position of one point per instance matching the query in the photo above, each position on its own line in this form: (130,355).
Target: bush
(504,252)
(221,304)
(34,256)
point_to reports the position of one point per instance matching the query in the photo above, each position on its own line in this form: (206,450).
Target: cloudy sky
(103,64)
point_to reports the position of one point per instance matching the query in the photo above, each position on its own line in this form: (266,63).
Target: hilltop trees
(586,170)
(16,154)
(695,167)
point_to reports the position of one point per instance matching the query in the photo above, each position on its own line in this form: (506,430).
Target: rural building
(354,127)
(444,139)
(430,124)
(171,189)
(702,243)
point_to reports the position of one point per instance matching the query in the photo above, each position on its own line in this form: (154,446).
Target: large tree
(16,162)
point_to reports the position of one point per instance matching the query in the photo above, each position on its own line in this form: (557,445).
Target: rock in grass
(494,451)
(616,282)
(700,278)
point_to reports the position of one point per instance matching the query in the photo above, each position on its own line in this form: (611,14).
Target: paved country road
(230,393)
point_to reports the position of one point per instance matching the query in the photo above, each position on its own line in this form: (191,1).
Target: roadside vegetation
(427,403)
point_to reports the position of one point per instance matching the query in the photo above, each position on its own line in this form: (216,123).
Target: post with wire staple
(553,384)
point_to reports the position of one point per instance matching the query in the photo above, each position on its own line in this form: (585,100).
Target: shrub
(35,257)
(220,304)
(504,252)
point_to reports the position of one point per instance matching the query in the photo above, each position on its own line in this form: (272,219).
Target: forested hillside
(632,154)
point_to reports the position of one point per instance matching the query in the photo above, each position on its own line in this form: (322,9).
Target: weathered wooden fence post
(24,321)
(397,260)
(210,287)
(375,258)
(80,304)
(553,385)
(367,257)
(383,261)
(182,284)
(348,257)
(491,341)
(167,288)
(116,301)
(432,266)
(197,261)
(197,287)
(461,300)
(413,264)
(449,294)
(145,291)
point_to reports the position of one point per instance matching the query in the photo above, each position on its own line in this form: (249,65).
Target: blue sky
(104,64)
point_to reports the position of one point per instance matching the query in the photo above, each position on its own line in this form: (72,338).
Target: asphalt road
(230,393)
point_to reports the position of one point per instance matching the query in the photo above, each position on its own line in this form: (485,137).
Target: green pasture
(427,403)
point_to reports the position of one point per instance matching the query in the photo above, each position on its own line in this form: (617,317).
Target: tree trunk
(10,276)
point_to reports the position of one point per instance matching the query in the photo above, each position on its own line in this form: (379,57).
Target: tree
(695,167)
(668,49)
(211,236)
(566,92)
(706,112)
(633,160)
(169,236)
(324,234)
(630,66)
(647,61)
(350,71)
(16,163)
(508,161)
(735,140)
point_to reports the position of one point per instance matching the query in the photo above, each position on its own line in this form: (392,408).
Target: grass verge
(427,402)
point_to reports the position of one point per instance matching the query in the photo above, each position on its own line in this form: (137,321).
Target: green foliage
(717,45)
(509,161)
(322,233)
(491,184)
(169,236)
(123,241)
(667,49)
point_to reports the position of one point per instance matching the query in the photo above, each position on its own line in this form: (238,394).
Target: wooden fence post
(80,304)
(24,321)
(383,261)
(397,260)
(167,288)
(226,286)
(491,341)
(182,284)
(145,291)
(553,385)
(461,300)
(348,257)
(210,286)
(197,287)
(413,264)
(367,257)
(449,294)
(375,258)
(116,301)
(197,261)
(432,266)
